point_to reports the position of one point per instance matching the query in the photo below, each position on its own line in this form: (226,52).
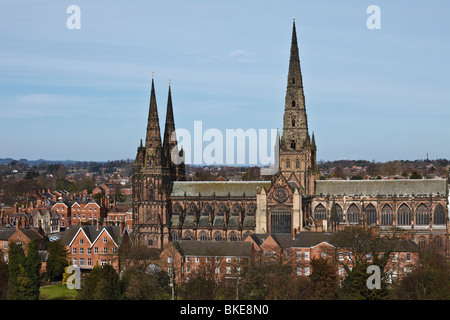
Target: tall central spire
(153,153)
(295,124)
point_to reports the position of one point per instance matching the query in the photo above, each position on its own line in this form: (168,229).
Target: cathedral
(167,208)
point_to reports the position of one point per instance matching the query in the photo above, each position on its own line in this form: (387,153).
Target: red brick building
(64,210)
(90,245)
(86,212)
(117,214)
(21,232)
(306,246)
(220,259)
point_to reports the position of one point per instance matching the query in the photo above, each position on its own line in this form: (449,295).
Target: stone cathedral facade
(168,208)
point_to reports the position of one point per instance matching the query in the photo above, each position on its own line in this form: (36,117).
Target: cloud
(240,55)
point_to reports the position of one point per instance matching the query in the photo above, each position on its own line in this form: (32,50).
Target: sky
(83,94)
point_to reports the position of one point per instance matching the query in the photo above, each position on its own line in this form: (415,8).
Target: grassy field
(57,292)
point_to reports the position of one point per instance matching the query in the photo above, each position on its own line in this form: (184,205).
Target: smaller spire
(313,142)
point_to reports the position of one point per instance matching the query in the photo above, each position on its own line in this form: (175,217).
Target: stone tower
(297,149)
(153,173)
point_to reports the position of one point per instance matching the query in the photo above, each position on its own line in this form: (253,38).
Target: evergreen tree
(16,259)
(25,285)
(367,248)
(102,283)
(57,260)
(4,276)
(33,269)
(24,272)
(324,279)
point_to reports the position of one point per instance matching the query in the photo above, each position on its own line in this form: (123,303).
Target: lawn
(57,292)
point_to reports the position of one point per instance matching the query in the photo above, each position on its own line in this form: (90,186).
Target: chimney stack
(122,225)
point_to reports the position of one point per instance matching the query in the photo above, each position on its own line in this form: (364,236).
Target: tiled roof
(217,188)
(311,239)
(214,248)
(91,232)
(6,233)
(404,187)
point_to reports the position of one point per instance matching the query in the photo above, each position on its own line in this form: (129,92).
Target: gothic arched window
(222,209)
(177,209)
(281,220)
(437,241)
(206,209)
(203,236)
(192,210)
(422,242)
(422,215)
(233,236)
(218,236)
(387,217)
(293,144)
(187,236)
(251,209)
(237,209)
(320,213)
(353,214)
(371,214)
(340,213)
(404,215)
(439,215)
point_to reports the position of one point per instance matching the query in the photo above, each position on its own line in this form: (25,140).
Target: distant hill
(39,161)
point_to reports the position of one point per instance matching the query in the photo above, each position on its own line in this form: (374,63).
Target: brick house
(89,245)
(20,233)
(120,213)
(64,210)
(222,259)
(103,189)
(86,212)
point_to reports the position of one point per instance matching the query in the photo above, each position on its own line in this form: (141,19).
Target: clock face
(281,194)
